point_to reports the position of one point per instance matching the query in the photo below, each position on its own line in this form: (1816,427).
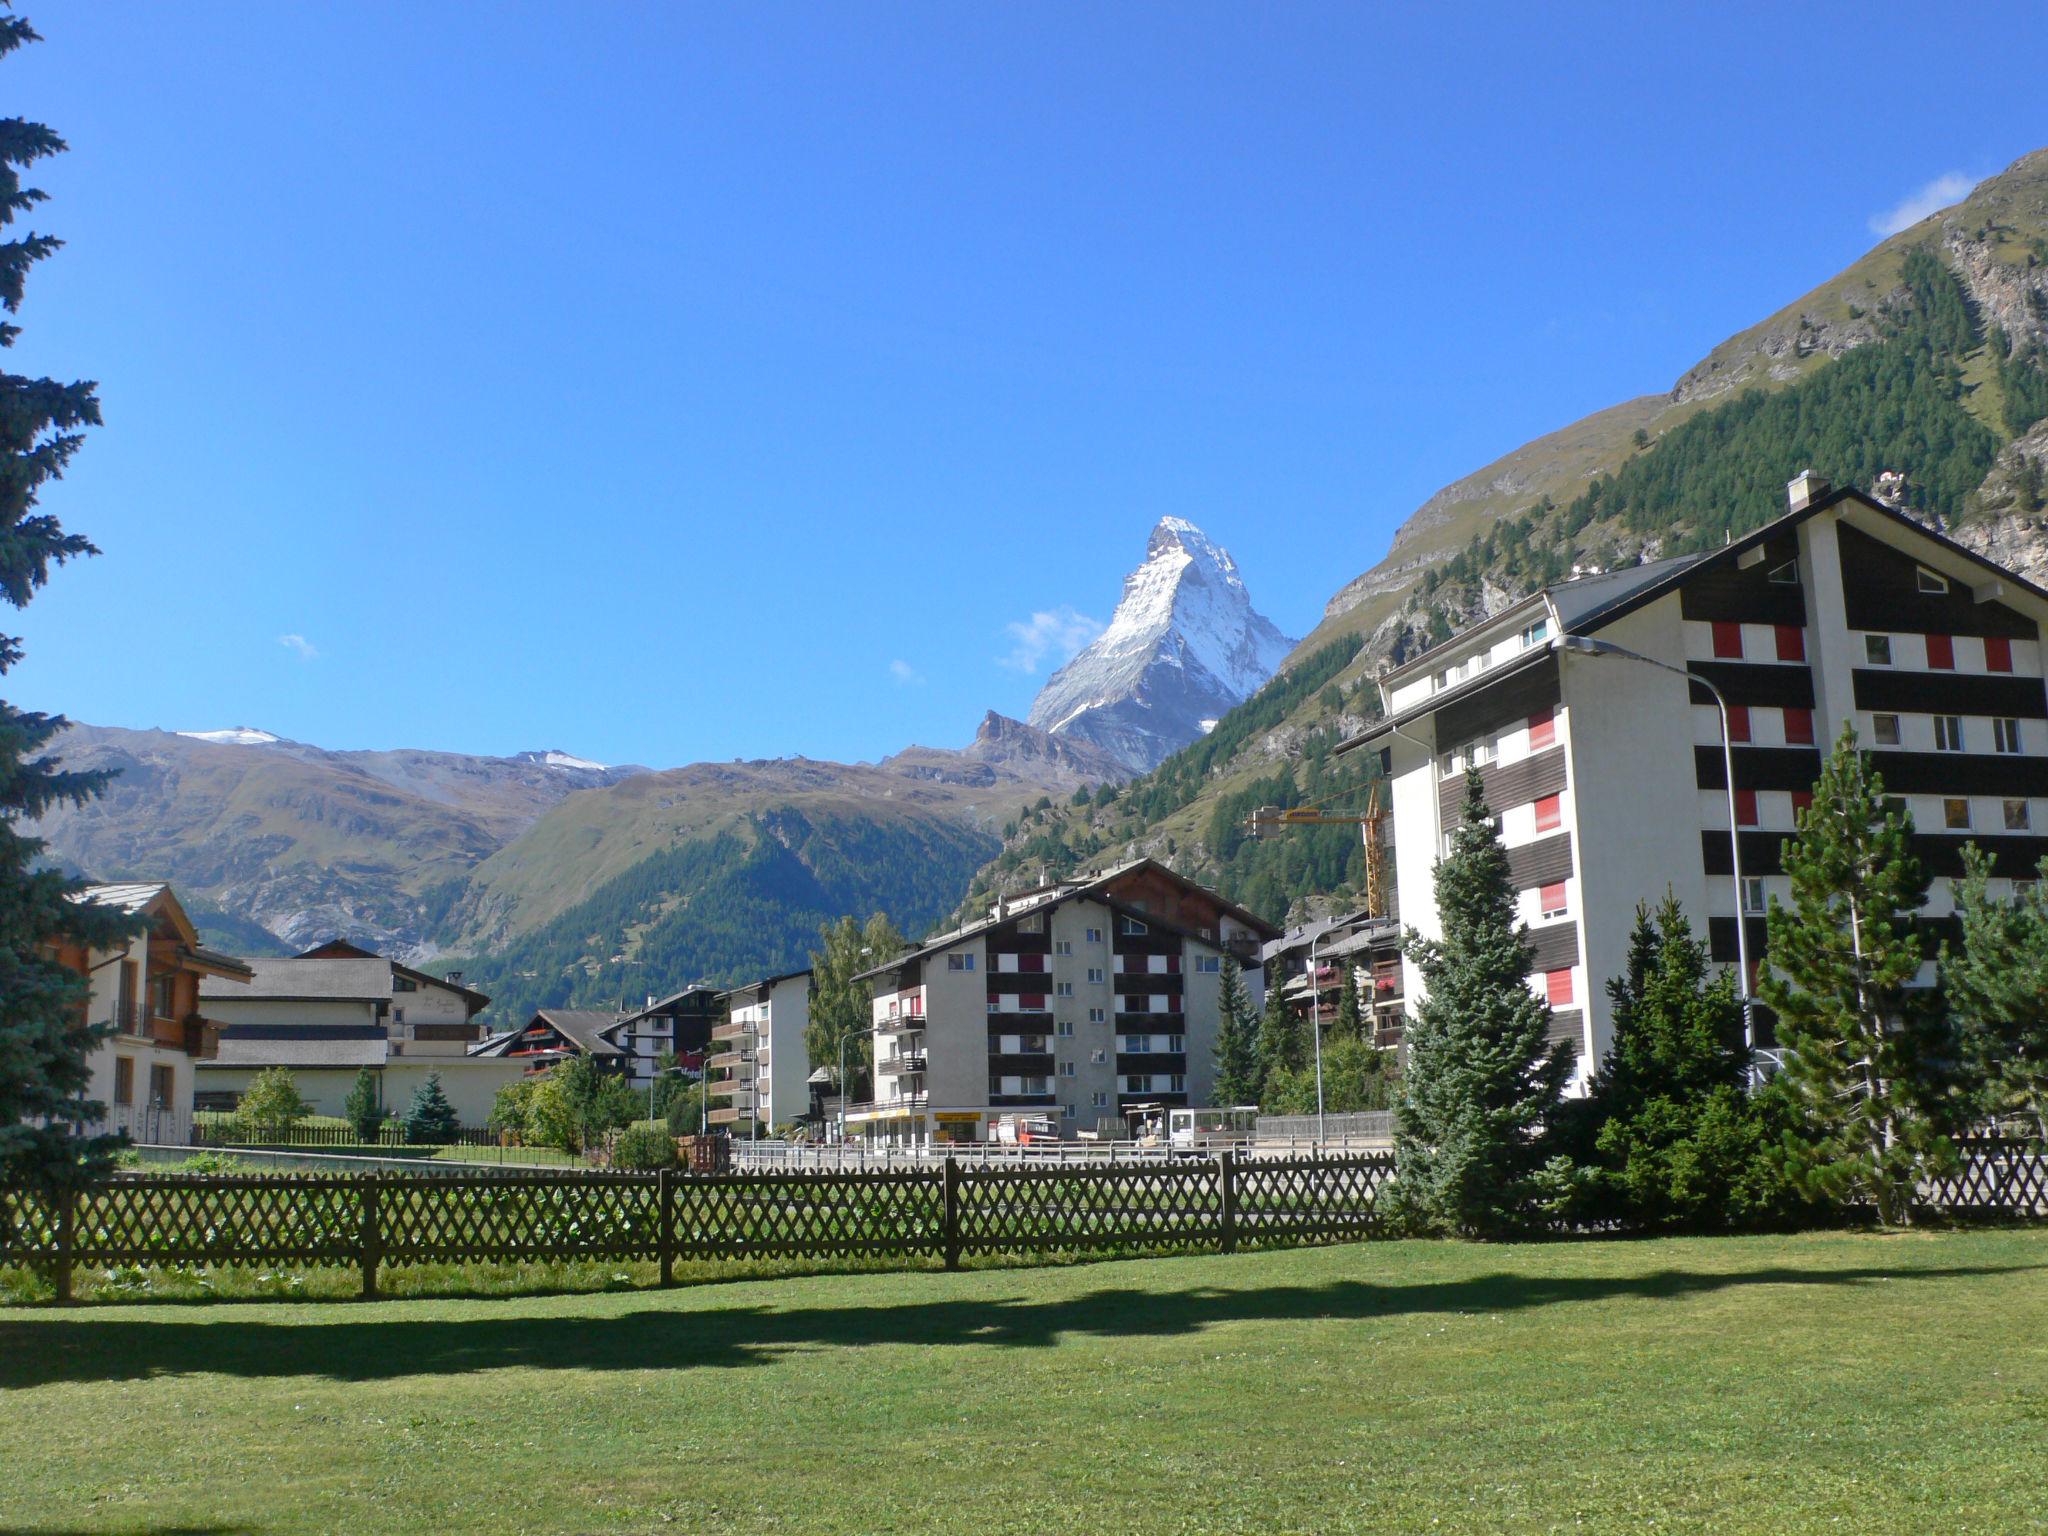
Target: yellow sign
(955,1117)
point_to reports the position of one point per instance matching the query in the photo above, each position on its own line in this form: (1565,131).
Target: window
(1067,1111)
(1550,900)
(1877,650)
(1791,642)
(1955,815)
(1093,935)
(1941,652)
(1549,813)
(124,1079)
(1136,1084)
(1063,989)
(404,984)
(1066,1069)
(163,1083)
(1745,807)
(1095,1015)
(1948,733)
(1799,727)
(1208,965)
(1557,987)
(1536,633)
(1738,722)
(398,1017)
(1884,730)
(1100,1100)
(1727,638)
(1753,894)
(1895,807)
(959,962)
(163,997)
(1481,752)
(2016,818)
(1543,730)
(1095,973)
(1131,926)
(1929,581)
(1063,946)
(1035,923)
(1064,1029)
(2005,736)
(1997,654)
(1786,575)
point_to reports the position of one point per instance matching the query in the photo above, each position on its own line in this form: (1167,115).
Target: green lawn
(1833,1382)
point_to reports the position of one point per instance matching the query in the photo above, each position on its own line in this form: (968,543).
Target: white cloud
(1056,634)
(905,674)
(1932,198)
(299,646)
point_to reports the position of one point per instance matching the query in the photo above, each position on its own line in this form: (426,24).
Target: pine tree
(1481,1080)
(1283,1042)
(430,1119)
(842,1009)
(1237,1046)
(1864,1049)
(361,1109)
(1350,1020)
(1997,986)
(44,1038)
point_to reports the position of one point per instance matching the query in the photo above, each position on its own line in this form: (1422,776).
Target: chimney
(1804,490)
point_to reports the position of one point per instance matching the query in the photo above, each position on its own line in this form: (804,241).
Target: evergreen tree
(361,1109)
(1350,1016)
(1283,1042)
(1482,1080)
(1864,1049)
(1237,1046)
(1354,1078)
(842,1009)
(44,1038)
(430,1119)
(1997,986)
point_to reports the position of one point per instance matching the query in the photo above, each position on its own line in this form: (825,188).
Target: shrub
(271,1105)
(647,1147)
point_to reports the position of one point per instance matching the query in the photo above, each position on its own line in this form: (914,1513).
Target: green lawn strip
(1839,1382)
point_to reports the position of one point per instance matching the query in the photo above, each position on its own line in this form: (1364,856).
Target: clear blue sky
(665,382)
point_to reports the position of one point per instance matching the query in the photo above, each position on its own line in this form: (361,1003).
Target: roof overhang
(1475,688)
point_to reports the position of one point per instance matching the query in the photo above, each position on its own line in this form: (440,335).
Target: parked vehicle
(1026,1130)
(1205,1132)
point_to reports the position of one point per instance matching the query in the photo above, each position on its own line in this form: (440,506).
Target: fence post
(67,1240)
(369,1237)
(1226,1188)
(668,1226)
(950,1230)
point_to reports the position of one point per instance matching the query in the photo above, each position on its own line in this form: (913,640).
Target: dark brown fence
(227,1134)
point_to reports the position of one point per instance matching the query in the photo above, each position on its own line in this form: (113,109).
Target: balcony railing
(911,1063)
(899,1022)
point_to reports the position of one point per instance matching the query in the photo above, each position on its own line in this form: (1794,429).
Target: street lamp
(1315,1016)
(1586,645)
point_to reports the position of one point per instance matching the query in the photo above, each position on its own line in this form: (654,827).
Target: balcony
(913,1063)
(730,1061)
(906,1023)
(725,1114)
(732,1031)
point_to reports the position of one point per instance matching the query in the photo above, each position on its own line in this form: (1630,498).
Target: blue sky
(672,382)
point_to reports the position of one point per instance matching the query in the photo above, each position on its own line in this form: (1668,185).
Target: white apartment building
(760,1066)
(1072,1002)
(1606,774)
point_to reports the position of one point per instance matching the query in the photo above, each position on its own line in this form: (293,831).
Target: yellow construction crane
(1271,818)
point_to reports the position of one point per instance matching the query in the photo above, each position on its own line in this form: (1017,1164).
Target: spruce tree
(45,1039)
(1997,986)
(1866,1053)
(430,1119)
(1482,1080)
(1283,1042)
(361,1109)
(1350,1015)
(1237,1046)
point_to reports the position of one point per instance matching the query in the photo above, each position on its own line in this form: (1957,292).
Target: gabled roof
(765,981)
(249,1046)
(583,1028)
(662,1005)
(340,979)
(156,900)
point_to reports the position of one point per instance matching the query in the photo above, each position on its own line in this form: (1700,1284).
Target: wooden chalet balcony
(732,1061)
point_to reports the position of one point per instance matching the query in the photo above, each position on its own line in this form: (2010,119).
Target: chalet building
(761,1067)
(147,990)
(1606,774)
(336,1009)
(681,1022)
(554,1035)
(1072,1002)
(1307,964)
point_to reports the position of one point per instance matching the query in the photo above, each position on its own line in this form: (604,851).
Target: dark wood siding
(1554,947)
(1758,767)
(1495,708)
(1762,853)
(1880,591)
(1960,773)
(1725,591)
(1949,693)
(1031,1064)
(1721,938)
(1542,862)
(1568,1027)
(1516,783)
(2013,855)
(1774,685)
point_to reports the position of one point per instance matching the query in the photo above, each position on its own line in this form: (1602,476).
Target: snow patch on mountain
(238,736)
(565,761)
(1184,645)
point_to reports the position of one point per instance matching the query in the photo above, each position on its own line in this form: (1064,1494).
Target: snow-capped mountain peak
(237,736)
(567,762)
(1184,645)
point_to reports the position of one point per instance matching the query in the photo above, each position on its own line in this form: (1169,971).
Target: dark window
(124,1079)
(163,1082)
(1948,733)
(2005,736)
(1955,815)
(1877,650)
(1884,730)
(1786,575)
(1727,638)
(1791,642)
(2016,818)
(1941,652)
(1929,581)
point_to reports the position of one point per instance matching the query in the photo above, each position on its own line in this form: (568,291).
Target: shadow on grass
(353,1347)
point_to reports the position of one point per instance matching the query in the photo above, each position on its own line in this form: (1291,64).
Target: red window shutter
(1802,802)
(1549,813)
(1791,643)
(1738,722)
(1799,727)
(1543,730)
(1997,654)
(1032,1002)
(1745,807)
(1030,962)
(1551,898)
(1941,652)
(1557,986)
(1173,965)
(1727,638)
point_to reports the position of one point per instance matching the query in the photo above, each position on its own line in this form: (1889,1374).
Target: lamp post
(1586,645)
(1315,1017)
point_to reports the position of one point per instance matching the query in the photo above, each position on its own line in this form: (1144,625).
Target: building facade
(1606,775)
(146,991)
(759,1064)
(1069,1004)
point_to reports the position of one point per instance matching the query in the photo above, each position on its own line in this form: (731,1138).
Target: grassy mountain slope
(1929,356)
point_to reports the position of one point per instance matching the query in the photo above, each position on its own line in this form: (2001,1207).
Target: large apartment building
(1606,774)
(1071,1002)
(760,1067)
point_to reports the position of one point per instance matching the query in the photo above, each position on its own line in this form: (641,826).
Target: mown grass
(1839,1382)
